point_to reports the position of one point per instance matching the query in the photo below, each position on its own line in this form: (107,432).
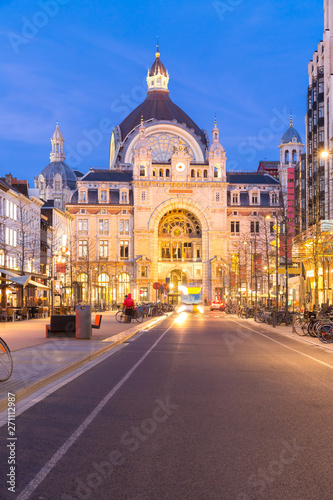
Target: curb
(26,391)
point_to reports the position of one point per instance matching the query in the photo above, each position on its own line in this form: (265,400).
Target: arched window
(83,288)
(215,135)
(192,173)
(123,286)
(198,173)
(294,156)
(167,172)
(102,291)
(205,174)
(142,170)
(154,172)
(286,158)
(161,172)
(217,171)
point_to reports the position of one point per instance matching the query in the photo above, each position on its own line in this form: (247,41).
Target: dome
(158,105)
(61,168)
(158,68)
(57,133)
(290,135)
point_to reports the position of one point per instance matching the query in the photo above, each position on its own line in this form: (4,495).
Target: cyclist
(129,308)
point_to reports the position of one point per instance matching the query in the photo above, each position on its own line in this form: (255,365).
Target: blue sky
(84,63)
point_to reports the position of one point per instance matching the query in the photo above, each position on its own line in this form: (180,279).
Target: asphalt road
(202,408)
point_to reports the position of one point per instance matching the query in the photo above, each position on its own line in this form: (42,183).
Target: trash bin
(83,322)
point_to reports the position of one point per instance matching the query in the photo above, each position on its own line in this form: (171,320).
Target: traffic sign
(157,285)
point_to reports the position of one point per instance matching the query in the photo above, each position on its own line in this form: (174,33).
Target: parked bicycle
(6,361)
(120,316)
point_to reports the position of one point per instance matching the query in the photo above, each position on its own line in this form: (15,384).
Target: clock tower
(180,162)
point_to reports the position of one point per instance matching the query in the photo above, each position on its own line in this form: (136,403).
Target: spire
(216,138)
(57,141)
(158,77)
(157,49)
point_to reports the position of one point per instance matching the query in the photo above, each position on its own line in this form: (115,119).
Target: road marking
(41,475)
(287,347)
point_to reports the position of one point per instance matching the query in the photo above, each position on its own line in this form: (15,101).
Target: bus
(191,298)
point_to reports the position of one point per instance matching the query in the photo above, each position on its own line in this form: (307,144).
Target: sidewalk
(287,331)
(39,361)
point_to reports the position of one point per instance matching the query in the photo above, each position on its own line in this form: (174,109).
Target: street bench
(61,326)
(98,320)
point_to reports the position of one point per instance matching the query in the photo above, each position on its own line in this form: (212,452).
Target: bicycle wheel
(6,361)
(325,334)
(313,326)
(120,317)
(301,326)
(139,316)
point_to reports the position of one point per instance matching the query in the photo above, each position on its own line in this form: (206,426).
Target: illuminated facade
(166,210)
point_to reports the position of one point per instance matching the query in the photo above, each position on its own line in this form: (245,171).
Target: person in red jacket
(129,308)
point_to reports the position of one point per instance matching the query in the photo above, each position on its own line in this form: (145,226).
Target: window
(255,199)
(123,249)
(205,174)
(167,172)
(198,251)
(143,195)
(57,202)
(161,172)
(166,250)
(83,196)
(235,198)
(103,225)
(321,86)
(57,185)
(217,197)
(321,136)
(83,248)
(192,173)
(142,170)
(255,227)
(124,226)
(188,250)
(234,227)
(234,213)
(104,195)
(177,251)
(321,110)
(217,171)
(219,272)
(286,157)
(294,156)
(83,224)
(154,172)
(315,118)
(103,249)
(124,197)
(144,271)
(274,199)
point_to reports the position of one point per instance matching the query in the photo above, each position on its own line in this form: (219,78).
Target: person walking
(129,308)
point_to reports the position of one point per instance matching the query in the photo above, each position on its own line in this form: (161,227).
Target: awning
(38,285)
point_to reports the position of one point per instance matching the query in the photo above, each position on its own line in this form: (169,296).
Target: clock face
(180,167)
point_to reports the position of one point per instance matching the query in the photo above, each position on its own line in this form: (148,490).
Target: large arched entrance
(180,236)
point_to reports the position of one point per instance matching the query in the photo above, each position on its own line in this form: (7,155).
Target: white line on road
(284,345)
(41,475)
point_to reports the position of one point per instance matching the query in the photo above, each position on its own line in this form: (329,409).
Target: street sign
(157,285)
(165,286)
(141,292)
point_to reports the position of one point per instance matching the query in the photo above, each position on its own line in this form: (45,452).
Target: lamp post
(246,283)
